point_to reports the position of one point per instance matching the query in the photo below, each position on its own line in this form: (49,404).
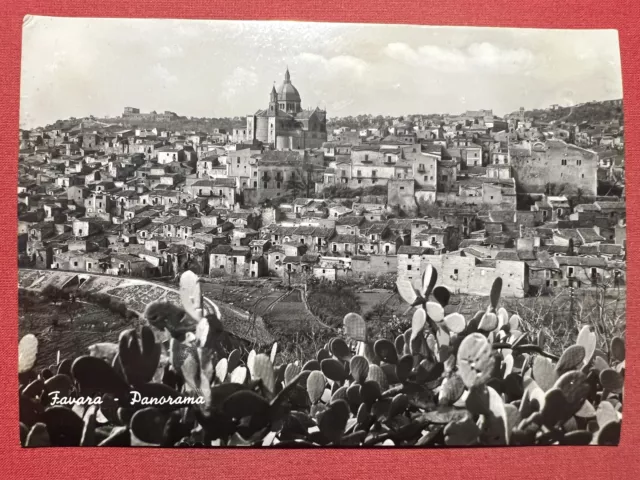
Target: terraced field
(138,293)
(255,297)
(290,315)
(91,324)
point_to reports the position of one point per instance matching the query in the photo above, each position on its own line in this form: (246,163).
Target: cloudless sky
(79,67)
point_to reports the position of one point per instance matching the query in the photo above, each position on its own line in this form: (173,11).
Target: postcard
(288,234)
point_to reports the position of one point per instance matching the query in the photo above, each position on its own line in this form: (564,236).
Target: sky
(81,66)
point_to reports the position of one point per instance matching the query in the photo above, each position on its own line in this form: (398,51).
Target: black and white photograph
(335,235)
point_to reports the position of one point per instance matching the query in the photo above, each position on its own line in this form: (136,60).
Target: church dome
(287,92)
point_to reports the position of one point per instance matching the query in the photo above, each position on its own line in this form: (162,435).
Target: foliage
(446,381)
(382,322)
(590,112)
(340,191)
(332,301)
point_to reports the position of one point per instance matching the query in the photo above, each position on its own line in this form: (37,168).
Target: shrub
(446,381)
(118,306)
(332,301)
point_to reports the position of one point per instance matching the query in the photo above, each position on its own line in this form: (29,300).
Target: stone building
(555,167)
(284,124)
(465,274)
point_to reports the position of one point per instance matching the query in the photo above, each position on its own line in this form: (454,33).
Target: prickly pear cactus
(446,381)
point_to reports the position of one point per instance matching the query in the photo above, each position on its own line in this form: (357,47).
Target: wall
(561,165)
(425,169)
(402,193)
(268,216)
(462,275)
(447,176)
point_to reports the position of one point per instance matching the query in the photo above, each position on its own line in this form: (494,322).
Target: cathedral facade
(284,124)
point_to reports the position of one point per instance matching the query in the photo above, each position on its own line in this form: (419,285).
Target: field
(254,297)
(370,298)
(290,315)
(79,325)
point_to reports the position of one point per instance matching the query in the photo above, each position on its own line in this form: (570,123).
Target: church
(284,124)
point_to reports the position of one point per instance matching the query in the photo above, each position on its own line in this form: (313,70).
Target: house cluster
(474,195)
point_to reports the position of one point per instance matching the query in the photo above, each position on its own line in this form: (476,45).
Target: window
(583,175)
(401,188)
(366,158)
(570,272)
(75,264)
(564,161)
(578,162)
(408,267)
(455,271)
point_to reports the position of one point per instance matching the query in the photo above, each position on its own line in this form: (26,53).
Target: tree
(53,294)
(300,180)
(382,322)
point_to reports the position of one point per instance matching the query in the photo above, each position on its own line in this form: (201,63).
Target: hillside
(591,112)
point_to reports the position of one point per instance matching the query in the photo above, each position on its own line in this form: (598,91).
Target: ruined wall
(515,277)
(462,275)
(375,265)
(565,167)
(401,192)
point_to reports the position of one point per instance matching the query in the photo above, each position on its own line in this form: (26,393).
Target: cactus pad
(27,353)
(475,361)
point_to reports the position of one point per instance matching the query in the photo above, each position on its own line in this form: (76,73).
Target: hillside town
(293,195)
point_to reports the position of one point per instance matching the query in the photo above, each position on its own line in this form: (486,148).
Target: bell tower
(273,101)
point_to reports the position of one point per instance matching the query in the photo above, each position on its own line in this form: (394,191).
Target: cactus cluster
(447,381)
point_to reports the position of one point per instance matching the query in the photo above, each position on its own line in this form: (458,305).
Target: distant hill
(591,112)
(180,124)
